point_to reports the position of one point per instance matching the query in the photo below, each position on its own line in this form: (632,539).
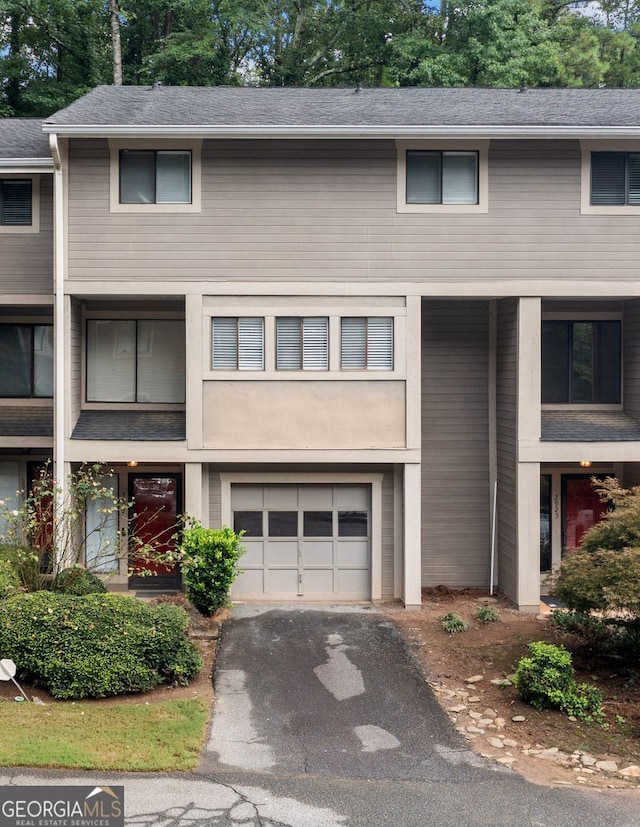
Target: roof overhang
(26,165)
(340,132)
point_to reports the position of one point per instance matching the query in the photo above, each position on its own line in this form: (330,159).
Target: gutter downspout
(60,482)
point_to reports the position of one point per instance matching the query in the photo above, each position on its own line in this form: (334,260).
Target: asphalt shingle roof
(131,425)
(25,421)
(292,106)
(23,138)
(589,426)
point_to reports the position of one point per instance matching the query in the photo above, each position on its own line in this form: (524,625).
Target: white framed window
(136,360)
(302,343)
(366,343)
(162,178)
(433,177)
(237,343)
(19,204)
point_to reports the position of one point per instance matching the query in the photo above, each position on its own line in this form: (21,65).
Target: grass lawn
(164,736)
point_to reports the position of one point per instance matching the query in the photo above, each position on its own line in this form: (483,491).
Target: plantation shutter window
(615,178)
(15,202)
(155,176)
(366,343)
(302,343)
(237,343)
(441,177)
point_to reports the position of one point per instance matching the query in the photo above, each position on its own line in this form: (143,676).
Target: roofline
(27,164)
(337,131)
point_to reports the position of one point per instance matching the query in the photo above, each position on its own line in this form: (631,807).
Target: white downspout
(59,328)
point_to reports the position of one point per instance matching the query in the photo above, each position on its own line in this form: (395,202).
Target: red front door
(156,502)
(582,508)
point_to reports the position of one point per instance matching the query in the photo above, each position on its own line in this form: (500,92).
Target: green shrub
(488,614)
(77,580)
(9,581)
(603,579)
(96,645)
(210,565)
(453,623)
(546,680)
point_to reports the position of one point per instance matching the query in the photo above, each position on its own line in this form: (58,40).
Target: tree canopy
(53,51)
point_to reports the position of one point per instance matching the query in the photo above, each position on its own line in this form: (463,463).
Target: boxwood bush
(96,645)
(9,581)
(77,580)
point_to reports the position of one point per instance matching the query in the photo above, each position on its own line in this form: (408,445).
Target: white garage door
(303,541)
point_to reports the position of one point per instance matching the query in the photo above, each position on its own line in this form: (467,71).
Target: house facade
(379,330)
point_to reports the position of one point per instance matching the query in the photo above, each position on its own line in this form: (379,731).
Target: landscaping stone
(607,766)
(474,699)
(485,721)
(457,708)
(501,682)
(475,679)
(630,772)
(588,760)
(475,715)
(495,742)
(489,713)
(500,722)
(518,719)
(475,729)
(509,742)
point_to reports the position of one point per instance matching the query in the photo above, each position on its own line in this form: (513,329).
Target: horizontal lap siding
(74,395)
(455,444)
(506,428)
(327,210)
(26,259)
(631,356)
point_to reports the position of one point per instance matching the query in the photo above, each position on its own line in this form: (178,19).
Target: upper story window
(26,355)
(161,178)
(237,343)
(581,362)
(151,176)
(135,360)
(441,177)
(302,343)
(433,178)
(615,178)
(366,343)
(15,202)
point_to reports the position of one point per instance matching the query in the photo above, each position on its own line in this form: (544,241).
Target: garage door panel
(247,497)
(354,582)
(250,582)
(278,553)
(282,581)
(317,553)
(351,497)
(318,581)
(353,554)
(281,496)
(316,497)
(254,555)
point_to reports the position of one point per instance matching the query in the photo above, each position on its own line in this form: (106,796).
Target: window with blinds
(150,176)
(302,343)
(135,360)
(441,177)
(26,353)
(237,343)
(366,343)
(615,178)
(15,202)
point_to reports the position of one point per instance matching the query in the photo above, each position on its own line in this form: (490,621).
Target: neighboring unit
(342,321)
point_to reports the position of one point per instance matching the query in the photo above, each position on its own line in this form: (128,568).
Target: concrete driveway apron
(329,693)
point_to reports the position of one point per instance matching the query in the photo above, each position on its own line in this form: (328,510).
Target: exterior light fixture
(133,463)
(585,463)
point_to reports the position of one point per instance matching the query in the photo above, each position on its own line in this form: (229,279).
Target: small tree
(209,559)
(40,541)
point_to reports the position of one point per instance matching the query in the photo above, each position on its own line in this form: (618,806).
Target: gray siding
(327,210)
(455,444)
(507,445)
(26,259)
(74,395)
(631,357)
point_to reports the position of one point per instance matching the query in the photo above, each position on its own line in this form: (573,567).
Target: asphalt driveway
(303,691)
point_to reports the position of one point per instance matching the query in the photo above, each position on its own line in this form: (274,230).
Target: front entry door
(581,509)
(157,501)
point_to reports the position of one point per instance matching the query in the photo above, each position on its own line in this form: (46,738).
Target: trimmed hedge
(77,580)
(96,645)
(9,580)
